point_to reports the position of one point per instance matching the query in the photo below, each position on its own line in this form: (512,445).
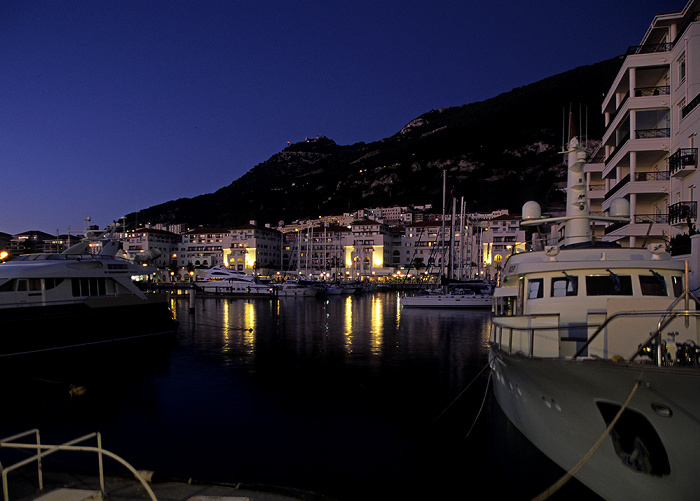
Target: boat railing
(43,450)
(547,330)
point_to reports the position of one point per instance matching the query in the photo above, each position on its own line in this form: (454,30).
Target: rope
(569,474)
(461,393)
(483,401)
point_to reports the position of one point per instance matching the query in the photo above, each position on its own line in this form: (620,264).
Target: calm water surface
(351,397)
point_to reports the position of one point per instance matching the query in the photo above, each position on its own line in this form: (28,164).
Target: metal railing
(653,133)
(682,211)
(684,157)
(648,49)
(661,90)
(666,317)
(43,450)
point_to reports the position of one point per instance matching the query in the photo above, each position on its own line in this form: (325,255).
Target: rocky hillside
(498,153)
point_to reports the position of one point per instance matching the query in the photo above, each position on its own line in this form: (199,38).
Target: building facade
(649,152)
(253,248)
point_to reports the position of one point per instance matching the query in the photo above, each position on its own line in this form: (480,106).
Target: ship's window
(21,285)
(34,284)
(677,286)
(564,286)
(653,285)
(535,288)
(88,287)
(51,283)
(609,285)
(7,285)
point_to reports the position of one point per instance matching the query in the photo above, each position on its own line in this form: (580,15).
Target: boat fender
(147,475)
(77,391)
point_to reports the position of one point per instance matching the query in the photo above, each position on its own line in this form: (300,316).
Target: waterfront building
(28,242)
(423,248)
(649,148)
(317,251)
(253,249)
(369,252)
(501,237)
(203,248)
(162,245)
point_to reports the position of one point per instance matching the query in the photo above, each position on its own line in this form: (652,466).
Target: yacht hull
(447,301)
(44,331)
(563,407)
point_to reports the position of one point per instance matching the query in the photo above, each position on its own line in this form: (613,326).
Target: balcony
(639,177)
(683,162)
(682,213)
(662,90)
(639,219)
(652,133)
(649,49)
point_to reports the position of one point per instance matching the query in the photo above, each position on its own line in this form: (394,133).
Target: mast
(577,227)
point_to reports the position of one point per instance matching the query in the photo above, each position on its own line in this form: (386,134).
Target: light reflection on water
(337,395)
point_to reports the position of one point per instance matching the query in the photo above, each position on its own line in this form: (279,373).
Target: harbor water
(349,397)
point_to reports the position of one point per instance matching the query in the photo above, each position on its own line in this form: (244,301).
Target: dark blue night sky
(108,107)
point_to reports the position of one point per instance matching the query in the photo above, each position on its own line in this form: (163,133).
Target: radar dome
(620,208)
(531,211)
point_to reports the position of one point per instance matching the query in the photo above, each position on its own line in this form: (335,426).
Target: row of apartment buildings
(474,246)
(348,246)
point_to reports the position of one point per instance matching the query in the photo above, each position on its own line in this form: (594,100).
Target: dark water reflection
(351,397)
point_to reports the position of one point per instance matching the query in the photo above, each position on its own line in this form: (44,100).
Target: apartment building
(369,250)
(500,237)
(316,250)
(253,247)
(203,248)
(649,151)
(164,245)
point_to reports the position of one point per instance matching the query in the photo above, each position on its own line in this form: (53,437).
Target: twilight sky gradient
(111,106)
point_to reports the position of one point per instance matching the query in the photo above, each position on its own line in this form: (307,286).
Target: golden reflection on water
(377,325)
(348,324)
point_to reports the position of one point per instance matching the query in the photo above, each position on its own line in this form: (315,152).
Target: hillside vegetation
(498,153)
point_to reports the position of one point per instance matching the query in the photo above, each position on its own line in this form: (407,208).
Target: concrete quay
(60,486)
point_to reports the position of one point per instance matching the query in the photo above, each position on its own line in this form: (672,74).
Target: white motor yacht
(594,356)
(51,301)
(222,280)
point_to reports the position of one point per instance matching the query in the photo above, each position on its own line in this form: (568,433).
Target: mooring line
(483,401)
(458,396)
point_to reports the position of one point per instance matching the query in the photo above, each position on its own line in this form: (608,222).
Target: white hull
(447,301)
(555,404)
(234,288)
(298,291)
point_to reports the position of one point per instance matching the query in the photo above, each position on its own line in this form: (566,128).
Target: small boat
(222,280)
(339,289)
(53,302)
(297,288)
(453,298)
(468,294)
(595,358)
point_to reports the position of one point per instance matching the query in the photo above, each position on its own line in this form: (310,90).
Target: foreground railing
(44,450)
